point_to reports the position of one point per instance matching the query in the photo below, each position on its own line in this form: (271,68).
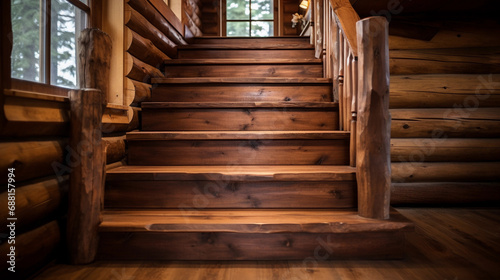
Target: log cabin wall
(34,122)
(445,107)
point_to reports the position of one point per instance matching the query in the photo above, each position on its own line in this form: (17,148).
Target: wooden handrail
(347,18)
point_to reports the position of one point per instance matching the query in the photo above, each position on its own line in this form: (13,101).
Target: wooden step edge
(262,173)
(236,80)
(237,105)
(246,47)
(249,221)
(235,135)
(242,61)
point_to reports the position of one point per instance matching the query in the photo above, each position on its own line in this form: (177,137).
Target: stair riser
(307,247)
(241,93)
(281,54)
(243,70)
(278,119)
(239,152)
(229,194)
(304,42)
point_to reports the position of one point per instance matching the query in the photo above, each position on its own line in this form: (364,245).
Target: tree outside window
(250,18)
(45,36)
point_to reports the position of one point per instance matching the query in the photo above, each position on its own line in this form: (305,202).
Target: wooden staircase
(240,157)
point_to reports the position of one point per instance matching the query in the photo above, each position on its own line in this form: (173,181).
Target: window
(250,18)
(45,36)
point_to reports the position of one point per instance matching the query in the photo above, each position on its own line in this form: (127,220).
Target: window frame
(274,20)
(44,86)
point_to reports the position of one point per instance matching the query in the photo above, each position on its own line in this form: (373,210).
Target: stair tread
(244,61)
(235,135)
(249,221)
(251,46)
(234,173)
(240,105)
(238,80)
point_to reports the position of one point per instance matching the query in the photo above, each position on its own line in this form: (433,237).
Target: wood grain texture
(231,53)
(94,60)
(235,135)
(244,70)
(262,41)
(229,194)
(452,149)
(347,18)
(244,92)
(445,193)
(169,15)
(140,71)
(445,91)
(247,173)
(34,249)
(136,22)
(445,61)
(31,159)
(35,202)
(373,120)
(87,175)
(234,246)
(160,16)
(244,152)
(252,119)
(443,123)
(137,92)
(448,243)
(445,172)
(115,148)
(143,49)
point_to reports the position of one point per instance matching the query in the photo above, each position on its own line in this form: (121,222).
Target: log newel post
(86,148)
(373,119)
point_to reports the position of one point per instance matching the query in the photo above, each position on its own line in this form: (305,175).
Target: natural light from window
(250,18)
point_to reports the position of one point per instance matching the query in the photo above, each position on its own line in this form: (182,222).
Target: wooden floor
(448,243)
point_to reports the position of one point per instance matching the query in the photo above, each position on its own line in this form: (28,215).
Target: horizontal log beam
(140,71)
(143,49)
(445,61)
(31,159)
(444,123)
(154,16)
(137,92)
(445,193)
(444,150)
(35,201)
(135,21)
(169,15)
(115,148)
(445,91)
(409,172)
(34,249)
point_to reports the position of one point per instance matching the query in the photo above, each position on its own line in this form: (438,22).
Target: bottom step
(190,234)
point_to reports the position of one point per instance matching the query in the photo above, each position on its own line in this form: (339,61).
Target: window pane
(238,9)
(262,28)
(26,18)
(66,23)
(237,28)
(262,9)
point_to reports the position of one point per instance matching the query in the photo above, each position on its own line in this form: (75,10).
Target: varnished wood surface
(234,173)
(445,91)
(243,80)
(243,61)
(447,244)
(235,152)
(248,221)
(313,70)
(245,105)
(230,194)
(251,119)
(261,41)
(228,135)
(249,46)
(245,53)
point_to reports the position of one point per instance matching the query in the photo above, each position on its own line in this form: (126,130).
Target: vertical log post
(86,146)
(373,119)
